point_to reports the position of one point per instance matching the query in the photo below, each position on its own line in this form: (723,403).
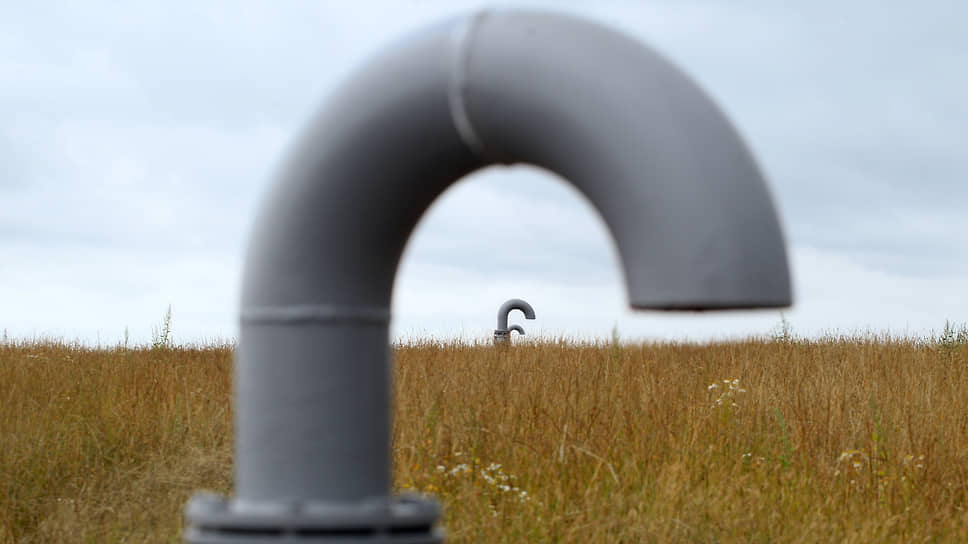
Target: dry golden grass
(848,440)
(105,445)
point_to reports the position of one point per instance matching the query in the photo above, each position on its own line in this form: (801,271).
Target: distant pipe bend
(692,219)
(505,310)
(502,334)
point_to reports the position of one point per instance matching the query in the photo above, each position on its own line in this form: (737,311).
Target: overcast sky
(136,140)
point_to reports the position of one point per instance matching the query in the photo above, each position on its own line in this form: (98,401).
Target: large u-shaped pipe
(691,216)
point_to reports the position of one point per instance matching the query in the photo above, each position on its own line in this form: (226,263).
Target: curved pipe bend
(692,219)
(518,328)
(505,310)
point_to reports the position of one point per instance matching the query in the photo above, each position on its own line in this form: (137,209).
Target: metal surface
(502,333)
(505,311)
(690,214)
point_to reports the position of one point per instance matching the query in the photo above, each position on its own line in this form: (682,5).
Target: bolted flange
(407,519)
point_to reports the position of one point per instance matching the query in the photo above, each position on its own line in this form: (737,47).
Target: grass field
(846,440)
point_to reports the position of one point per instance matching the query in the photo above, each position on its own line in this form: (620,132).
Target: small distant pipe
(505,310)
(502,333)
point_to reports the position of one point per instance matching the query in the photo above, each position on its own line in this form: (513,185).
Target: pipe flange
(407,519)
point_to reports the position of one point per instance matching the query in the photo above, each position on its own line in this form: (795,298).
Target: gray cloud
(138,135)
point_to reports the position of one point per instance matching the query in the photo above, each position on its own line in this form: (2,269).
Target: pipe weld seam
(316,314)
(457,86)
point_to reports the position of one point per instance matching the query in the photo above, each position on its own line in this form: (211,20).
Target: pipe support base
(407,519)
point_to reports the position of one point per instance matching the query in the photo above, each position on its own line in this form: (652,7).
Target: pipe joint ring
(316,314)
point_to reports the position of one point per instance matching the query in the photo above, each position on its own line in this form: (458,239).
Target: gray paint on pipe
(502,333)
(505,311)
(691,216)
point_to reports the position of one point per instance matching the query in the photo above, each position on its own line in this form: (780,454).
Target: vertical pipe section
(312,369)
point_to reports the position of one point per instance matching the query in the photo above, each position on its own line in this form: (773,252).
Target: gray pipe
(502,333)
(505,311)
(518,328)
(690,214)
